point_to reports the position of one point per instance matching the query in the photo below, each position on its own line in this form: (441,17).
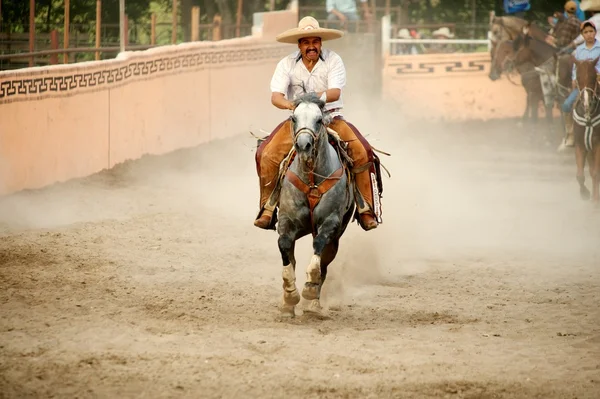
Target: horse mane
(590,66)
(309,98)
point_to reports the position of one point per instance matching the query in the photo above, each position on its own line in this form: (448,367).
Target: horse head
(502,61)
(587,84)
(309,127)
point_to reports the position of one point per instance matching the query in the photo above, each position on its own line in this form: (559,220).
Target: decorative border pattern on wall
(440,67)
(103,75)
(435,65)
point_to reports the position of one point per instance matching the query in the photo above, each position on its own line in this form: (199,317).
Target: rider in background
(313,69)
(588,50)
(594,8)
(567,28)
(516,8)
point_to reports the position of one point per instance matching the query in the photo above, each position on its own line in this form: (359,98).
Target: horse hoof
(314,309)
(584,193)
(291,298)
(287,311)
(310,291)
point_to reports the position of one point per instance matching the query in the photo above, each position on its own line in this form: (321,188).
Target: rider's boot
(364,200)
(268,197)
(268,158)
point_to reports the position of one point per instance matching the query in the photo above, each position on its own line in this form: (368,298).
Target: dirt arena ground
(150,280)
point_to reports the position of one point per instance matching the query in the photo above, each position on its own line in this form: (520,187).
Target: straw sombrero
(590,5)
(308,27)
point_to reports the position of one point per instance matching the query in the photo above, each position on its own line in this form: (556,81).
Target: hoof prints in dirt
(449,389)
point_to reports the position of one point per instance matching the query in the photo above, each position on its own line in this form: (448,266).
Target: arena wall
(453,87)
(66,121)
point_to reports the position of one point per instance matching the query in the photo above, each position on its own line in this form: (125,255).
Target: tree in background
(49,13)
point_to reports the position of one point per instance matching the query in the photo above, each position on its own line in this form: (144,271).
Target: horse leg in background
(590,158)
(534,106)
(596,174)
(525,116)
(329,253)
(549,116)
(291,297)
(580,154)
(324,237)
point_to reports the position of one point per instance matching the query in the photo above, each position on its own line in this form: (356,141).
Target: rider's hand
(291,106)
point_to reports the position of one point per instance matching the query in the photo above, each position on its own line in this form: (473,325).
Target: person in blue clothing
(588,50)
(516,8)
(580,14)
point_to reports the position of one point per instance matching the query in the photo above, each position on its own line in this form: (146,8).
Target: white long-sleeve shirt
(292,78)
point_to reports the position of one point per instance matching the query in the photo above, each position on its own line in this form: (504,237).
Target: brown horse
(505,60)
(508,28)
(586,114)
(554,69)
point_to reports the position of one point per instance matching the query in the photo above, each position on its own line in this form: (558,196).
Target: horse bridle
(594,95)
(315,135)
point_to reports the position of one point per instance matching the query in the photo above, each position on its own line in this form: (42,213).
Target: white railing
(387,41)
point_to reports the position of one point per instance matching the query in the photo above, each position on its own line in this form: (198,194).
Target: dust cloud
(482,280)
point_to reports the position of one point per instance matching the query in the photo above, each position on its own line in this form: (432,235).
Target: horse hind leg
(291,297)
(329,253)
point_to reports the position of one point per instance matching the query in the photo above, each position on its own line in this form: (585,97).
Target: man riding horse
(314,69)
(588,50)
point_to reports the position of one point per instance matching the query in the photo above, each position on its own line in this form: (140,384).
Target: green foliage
(50,13)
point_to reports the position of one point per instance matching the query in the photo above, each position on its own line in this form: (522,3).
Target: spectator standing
(516,8)
(345,11)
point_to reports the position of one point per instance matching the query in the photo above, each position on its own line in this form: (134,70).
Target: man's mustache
(311,49)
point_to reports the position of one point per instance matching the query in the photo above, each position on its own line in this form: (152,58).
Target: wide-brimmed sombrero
(590,5)
(308,27)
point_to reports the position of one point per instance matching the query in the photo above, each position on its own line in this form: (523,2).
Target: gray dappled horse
(316,198)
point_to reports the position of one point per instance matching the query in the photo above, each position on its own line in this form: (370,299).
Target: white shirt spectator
(292,78)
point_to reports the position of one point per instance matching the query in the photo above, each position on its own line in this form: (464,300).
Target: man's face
(310,48)
(589,34)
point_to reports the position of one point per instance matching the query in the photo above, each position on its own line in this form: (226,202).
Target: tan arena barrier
(450,87)
(62,122)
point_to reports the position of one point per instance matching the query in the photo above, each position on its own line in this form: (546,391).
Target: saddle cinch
(314,193)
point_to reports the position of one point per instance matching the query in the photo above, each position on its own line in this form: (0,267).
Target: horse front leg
(291,297)
(328,255)
(580,154)
(325,235)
